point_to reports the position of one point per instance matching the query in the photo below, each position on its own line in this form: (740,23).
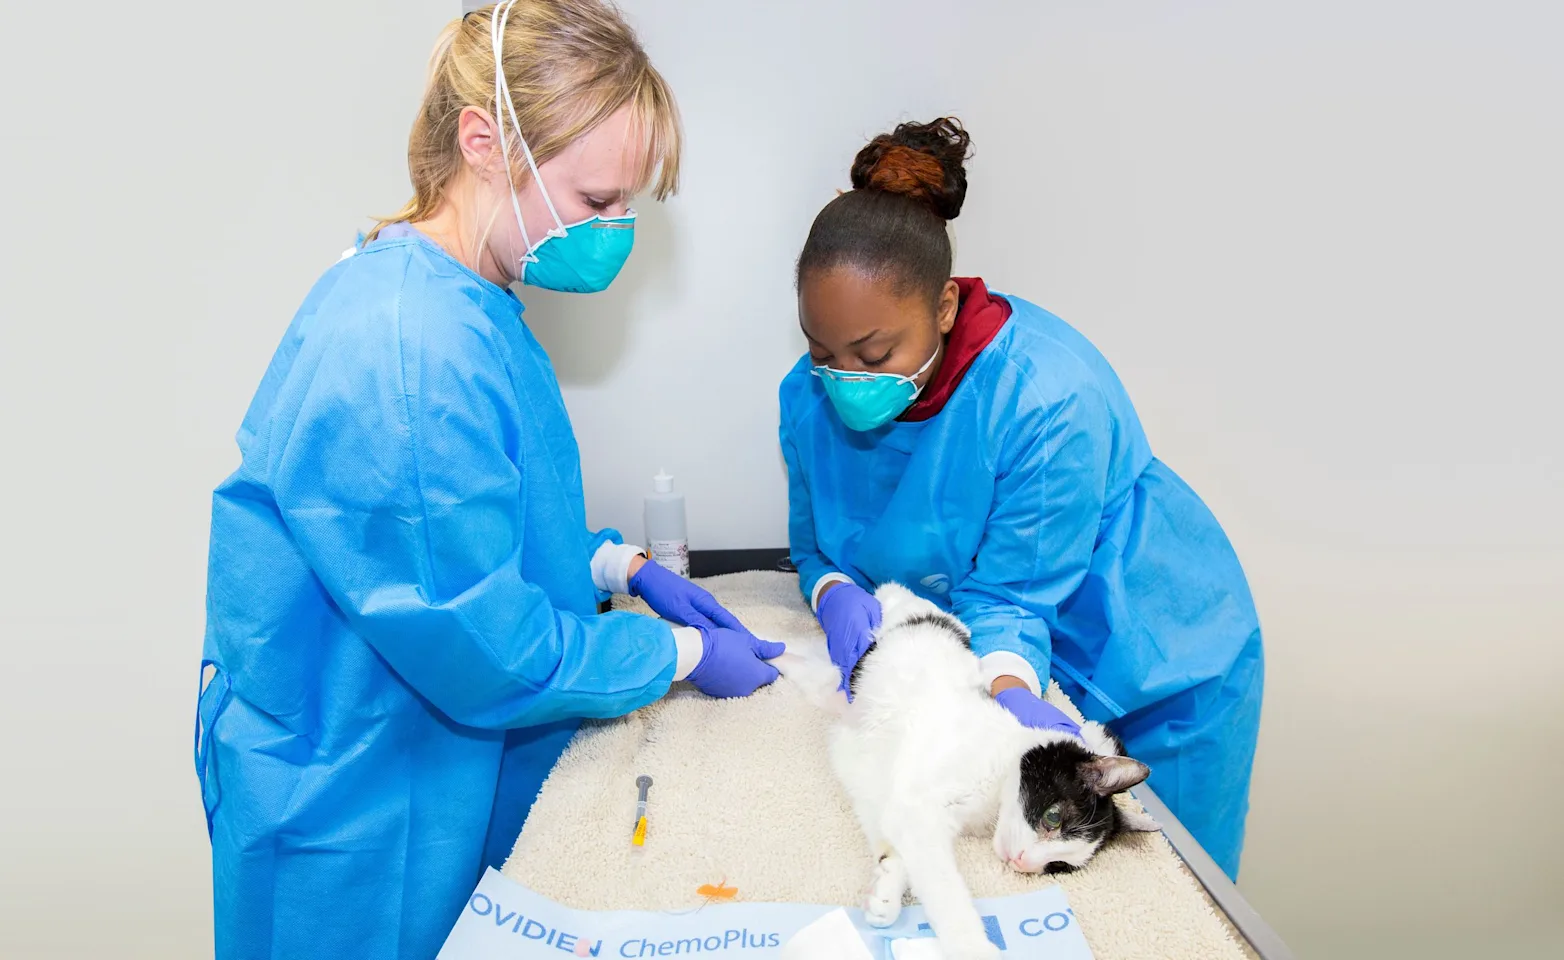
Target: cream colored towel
(743,794)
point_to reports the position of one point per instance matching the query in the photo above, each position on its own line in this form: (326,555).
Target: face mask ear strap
(504,104)
(923,369)
(497,23)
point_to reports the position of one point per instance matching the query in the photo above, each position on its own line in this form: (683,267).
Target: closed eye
(880,362)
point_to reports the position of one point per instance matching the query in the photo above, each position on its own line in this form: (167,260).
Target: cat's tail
(809,669)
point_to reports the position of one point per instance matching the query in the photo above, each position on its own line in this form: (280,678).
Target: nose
(1017,862)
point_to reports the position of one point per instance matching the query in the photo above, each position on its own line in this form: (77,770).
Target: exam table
(754,807)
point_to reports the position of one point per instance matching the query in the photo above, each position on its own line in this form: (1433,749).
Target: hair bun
(925,162)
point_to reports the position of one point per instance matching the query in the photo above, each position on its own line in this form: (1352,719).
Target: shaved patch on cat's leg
(883,904)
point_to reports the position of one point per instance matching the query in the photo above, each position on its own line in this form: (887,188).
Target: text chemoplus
(727,940)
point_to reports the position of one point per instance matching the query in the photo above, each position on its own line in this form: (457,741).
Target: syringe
(638,837)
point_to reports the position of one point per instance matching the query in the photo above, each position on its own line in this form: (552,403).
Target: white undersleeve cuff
(611,567)
(1003,663)
(821,584)
(691,646)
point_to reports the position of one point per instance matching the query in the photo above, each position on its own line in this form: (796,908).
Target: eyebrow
(859,342)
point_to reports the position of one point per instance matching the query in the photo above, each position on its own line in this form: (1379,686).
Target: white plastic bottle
(666,535)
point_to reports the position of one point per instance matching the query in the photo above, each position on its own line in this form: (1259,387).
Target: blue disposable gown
(401,614)
(1031,506)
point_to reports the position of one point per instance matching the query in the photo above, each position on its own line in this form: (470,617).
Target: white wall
(176,176)
(1321,244)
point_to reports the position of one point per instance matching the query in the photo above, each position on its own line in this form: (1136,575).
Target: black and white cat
(925,755)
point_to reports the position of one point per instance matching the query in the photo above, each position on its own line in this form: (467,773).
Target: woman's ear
(478,139)
(949,303)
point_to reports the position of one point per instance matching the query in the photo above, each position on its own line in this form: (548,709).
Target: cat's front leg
(883,904)
(927,851)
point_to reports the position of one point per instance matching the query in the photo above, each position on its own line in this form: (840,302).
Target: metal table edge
(1244,917)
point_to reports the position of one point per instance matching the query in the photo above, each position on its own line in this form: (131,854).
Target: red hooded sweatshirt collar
(978,319)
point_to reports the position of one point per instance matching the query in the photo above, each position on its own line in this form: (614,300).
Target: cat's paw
(882,906)
(880,911)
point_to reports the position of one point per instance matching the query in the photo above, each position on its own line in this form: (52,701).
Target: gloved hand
(734,662)
(850,615)
(677,599)
(1035,712)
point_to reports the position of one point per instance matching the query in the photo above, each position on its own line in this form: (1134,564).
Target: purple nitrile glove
(849,615)
(734,662)
(1035,712)
(677,599)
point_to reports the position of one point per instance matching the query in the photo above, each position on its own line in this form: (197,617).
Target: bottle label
(673,555)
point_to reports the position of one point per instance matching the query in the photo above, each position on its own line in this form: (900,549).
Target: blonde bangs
(654,120)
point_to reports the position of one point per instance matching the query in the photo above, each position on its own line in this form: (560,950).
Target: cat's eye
(1052,817)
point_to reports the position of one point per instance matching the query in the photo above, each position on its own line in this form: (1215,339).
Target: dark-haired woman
(979,450)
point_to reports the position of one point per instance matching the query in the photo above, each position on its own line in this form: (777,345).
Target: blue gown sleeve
(596,540)
(1041,530)
(397,481)
(802,549)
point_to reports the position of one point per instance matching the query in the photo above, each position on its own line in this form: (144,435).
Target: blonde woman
(403,593)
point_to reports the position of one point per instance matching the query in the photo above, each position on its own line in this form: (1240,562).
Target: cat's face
(1057,807)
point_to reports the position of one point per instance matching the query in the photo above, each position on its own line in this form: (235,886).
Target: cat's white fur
(925,754)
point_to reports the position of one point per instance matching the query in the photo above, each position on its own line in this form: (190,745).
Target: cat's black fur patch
(1051,774)
(1058,866)
(942,620)
(852,678)
(934,619)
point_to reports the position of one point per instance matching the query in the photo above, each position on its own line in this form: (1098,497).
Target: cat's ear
(1106,776)
(1138,820)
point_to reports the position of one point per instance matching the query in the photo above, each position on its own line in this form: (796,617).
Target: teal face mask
(583,257)
(866,400)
